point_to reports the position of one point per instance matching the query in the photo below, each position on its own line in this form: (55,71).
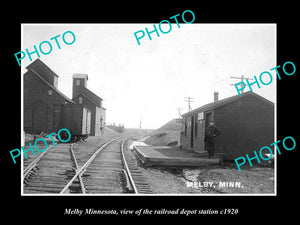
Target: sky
(149,81)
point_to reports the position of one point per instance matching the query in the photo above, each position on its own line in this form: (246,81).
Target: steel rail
(76,168)
(34,163)
(127,168)
(88,162)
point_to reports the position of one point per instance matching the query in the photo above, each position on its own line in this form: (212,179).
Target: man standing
(210,138)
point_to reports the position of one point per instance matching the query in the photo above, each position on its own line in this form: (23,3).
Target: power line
(242,80)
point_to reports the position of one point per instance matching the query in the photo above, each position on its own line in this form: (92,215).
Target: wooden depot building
(246,123)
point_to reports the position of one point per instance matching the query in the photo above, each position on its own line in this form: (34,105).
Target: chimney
(216,96)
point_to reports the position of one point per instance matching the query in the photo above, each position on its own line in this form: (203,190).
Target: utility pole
(189,100)
(179,113)
(141,123)
(242,80)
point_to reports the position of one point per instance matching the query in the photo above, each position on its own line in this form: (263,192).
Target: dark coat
(211,133)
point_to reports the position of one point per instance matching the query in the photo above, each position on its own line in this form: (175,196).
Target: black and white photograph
(139,112)
(155,117)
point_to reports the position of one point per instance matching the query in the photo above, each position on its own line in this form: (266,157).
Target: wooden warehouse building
(246,123)
(82,95)
(42,99)
(43,102)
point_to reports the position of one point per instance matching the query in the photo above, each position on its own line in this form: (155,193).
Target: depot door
(192,131)
(208,117)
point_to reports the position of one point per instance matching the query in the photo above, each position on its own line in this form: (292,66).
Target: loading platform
(173,157)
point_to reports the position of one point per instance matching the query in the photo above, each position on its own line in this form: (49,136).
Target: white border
(150,195)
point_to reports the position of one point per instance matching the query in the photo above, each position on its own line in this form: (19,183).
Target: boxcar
(77,119)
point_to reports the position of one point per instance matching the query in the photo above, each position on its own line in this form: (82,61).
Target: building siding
(91,101)
(246,124)
(44,71)
(40,104)
(97,125)
(42,110)
(92,108)
(102,119)
(99,121)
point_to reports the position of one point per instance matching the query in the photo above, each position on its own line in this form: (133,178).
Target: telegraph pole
(141,123)
(179,113)
(242,80)
(189,100)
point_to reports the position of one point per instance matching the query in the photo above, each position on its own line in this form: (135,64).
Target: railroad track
(108,170)
(136,182)
(49,172)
